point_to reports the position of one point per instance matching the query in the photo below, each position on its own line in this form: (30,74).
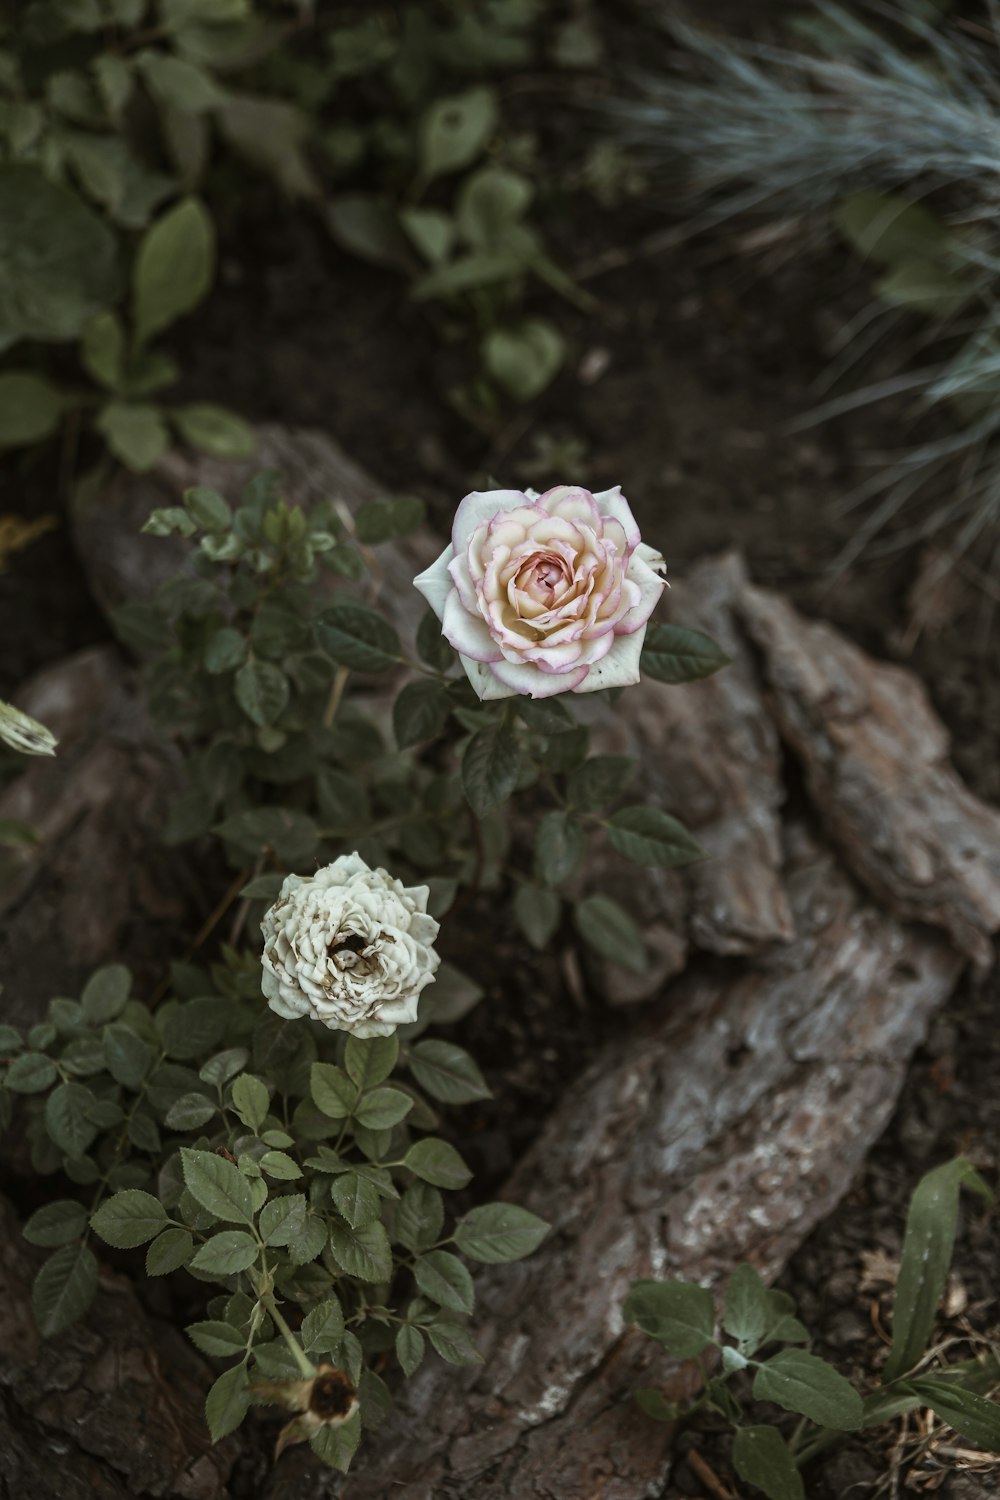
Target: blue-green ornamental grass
(280,1129)
(756,1354)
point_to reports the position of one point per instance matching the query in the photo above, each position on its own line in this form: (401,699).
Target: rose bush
(349,946)
(545,594)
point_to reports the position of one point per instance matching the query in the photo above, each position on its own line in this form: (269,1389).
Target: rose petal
(485,684)
(613,503)
(467,633)
(481,506)
(435,582)
(620,668)
(531,682)
(651,586)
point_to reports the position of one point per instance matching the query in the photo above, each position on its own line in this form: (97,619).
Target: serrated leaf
(410,1349)
(357,1199)
(491,767)
(672,653)
(383,1108)
(281,1166)
(558,847)
(336,1446)
(226,1254)
(282,1219)
(762,1457)
(445,1280)
(218,1186)
(323,1327)
(678,1314)
(600,780)
(438,1163)
(129,1219)
(447,1072)
(453,1342)
(227,1403)
(262,691)
(64,1289)
(537,912)
(31,1073)
(650,836)
(419,712)
(746,1310)
(189,1112)
(105,994)
(220,1340)
(357,637)
(168,1252)
(369,1061)
(67,1118)
(496,1233)
(251,1100)
(56,1224)
(364,1252)
(805,1384)
(610,931)
(332,1091)
(419,1217)
(127,1056)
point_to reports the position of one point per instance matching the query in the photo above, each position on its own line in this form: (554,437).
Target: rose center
(541,577)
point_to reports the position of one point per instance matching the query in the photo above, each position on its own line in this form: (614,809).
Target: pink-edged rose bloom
(545,594)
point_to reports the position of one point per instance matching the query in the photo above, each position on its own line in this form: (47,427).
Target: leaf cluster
(296,1172)
(763,1342)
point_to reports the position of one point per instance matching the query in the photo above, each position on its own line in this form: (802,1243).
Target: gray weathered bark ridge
(850,877)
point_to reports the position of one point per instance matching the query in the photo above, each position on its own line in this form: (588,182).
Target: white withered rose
(545,594)
(349,946)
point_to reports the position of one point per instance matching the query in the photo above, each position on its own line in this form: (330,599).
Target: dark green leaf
(174,267)
(537,912)
(30,409)
(499,1232)
(491,767)
(323,1327)
(762,1457)
(218,1186)
(599,781)
(419,712)
(189,1112)
(419,1217)
(30,1073)
(262,691)
(651,837)
(129,1219)
(383,1108)
(611,932)
(746,1312)
(105,994)
(251,1100)
(220,1340)
(357,1199)
(64,1289)
(207,508)
(336,1446)
(168,1252)
(678,1314)
(671,653)
(56,1224)
(804,1383)
(227,1403)
(558,847)
(358,638)
(212,429)
(370,1060)
(135,433)
(445,1280)
(67,1118)
(455,130)
(409,1349)
(973,1417)
(438,1163)
(431,644)
(446,1072)
(332,1091)
(127,1056)
(226,1254)
(453,1342)
(364,1252)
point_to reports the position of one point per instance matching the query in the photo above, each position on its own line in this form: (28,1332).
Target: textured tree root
(850,878)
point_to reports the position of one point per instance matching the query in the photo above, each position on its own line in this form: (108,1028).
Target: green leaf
(383,1108)
(103,350)
(332,1091)
(670,653)
(651,1401)
(135,433)
(189,1112)
(524,358)
(431,232)
(220,1340)
(262,691)
(886,228)
(925,286)
(409,1349)
(973,1416)
(420,712)
(127,1056)
(174,267)
(432,647)
(64,1289)
(762,1457)
(357,1199)
(30,409)
(651,837)
(177,83)
(225,650)
(447,1072)
(357,637)
(282,1219)
(489,202)
(56,1224)
(455,130)
(226,1254)
(678,1314)
(191,1029)
(746,1311)
(67,1118)
(537,912)
(323,1328)
(445,1280)
(168,1252)
(804,1383)
(611,932)
(291,834)
(336,1446)
(496,1233)
(437,1162)
(419,1217)
(208,508)
(491,767)
(558,847)
(106,993)
(58,259)
(370,1060)
(281,1166)
(364,1252)
(213,429)
(368,228)
(269,134)
(927,1249)
(453,1342)
(31,1073)
(599,781)
(227,1403)
(129,1219)
(218,1186)
(251,1100)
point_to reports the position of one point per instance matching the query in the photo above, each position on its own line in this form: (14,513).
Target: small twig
(708,1476)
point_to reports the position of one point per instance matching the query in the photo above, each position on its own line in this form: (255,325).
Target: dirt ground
(683,386)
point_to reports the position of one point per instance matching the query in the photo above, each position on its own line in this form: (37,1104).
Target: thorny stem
(307,1368)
